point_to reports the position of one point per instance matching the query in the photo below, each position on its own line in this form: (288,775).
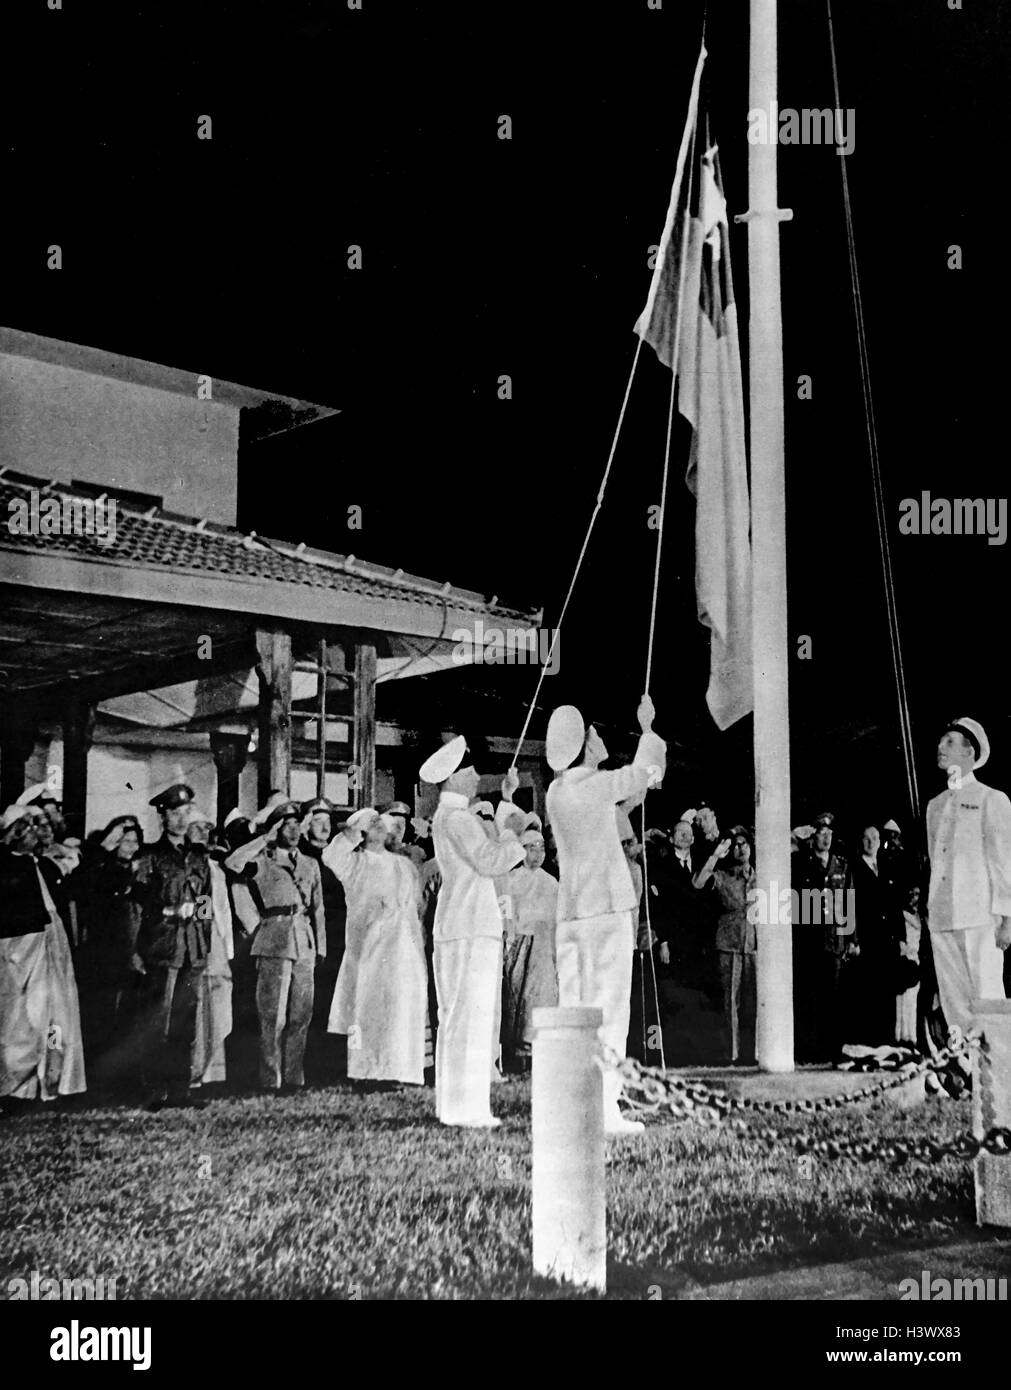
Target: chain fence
(652,1093)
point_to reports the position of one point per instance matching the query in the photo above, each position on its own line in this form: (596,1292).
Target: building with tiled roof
(138,625)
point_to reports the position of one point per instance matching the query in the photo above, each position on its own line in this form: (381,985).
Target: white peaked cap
(444,761)
(12,814)
(531,837)
(30,793)
(534,821)
(890,825)
(360,819)
(975,727)
(566,734)
(233,815)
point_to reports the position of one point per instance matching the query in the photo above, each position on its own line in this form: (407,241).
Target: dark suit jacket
(108,913)
(676,909)
(834,880)
(23,909)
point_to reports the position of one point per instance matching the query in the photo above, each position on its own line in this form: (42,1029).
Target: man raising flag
(690,320)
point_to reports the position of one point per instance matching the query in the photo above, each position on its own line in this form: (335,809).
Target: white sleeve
(651,754)
(339,858)
(623,783)
(647,768)
(997,848)
(503,811)
(486,857)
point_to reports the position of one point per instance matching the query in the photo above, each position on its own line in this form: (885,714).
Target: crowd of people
(427,945)
(856,934)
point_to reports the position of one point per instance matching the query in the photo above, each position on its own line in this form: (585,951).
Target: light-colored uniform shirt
(594,876)
(290,892)
(969,842)
(468,863)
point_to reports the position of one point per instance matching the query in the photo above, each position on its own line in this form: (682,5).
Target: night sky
(529,257)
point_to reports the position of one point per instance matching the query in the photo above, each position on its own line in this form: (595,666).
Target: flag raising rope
(546,664)
(905,720)
(690,321)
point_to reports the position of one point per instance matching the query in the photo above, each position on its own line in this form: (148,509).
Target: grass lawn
(333,1194)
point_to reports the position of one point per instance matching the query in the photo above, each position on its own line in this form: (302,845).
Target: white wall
(122,780)
(63,424)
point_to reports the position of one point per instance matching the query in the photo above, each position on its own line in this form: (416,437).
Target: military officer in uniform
(824,944)
(969,905)
(288,892)
(173,886)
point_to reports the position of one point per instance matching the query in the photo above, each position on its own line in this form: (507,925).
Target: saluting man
(173,885)
(969,843)
(381,999)
(399,814)
(468,934)
(597,907)
(288,893)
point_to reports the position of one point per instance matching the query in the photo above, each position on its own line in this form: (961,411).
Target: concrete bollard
(567,1114)
(991,1107)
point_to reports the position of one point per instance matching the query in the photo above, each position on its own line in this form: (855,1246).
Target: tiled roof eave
(173,546)
(348,604)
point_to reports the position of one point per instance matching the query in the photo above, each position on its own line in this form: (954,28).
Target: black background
(202,1339)
(529,257)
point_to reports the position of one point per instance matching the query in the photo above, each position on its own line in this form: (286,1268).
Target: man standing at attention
(825,945)
(173,881)
(969,843)
(597,906)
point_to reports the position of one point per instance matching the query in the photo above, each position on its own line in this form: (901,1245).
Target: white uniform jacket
(594,877)
(969,841)
(468,862)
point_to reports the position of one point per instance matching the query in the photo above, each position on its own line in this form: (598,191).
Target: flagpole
(770,637)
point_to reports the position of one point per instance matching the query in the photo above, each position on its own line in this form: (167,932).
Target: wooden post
(365,724)
(229,752)
(567,1122)
(78,729)
(991,1108)
(770,637)
(273,647)
(17,740)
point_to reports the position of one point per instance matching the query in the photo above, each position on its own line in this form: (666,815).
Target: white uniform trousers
(969,966)
(468,982)
(595,970)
